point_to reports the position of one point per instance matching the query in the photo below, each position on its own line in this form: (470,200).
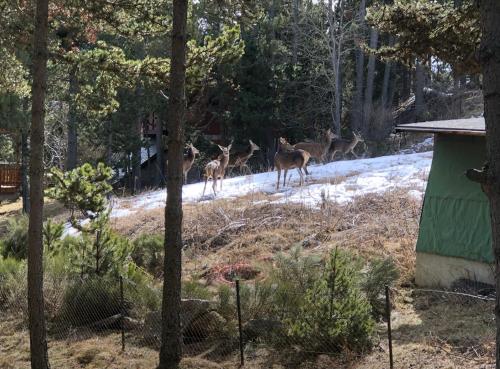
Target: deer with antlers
(239,159)
(288,157)
(345,146)
(189,158)
(217,168)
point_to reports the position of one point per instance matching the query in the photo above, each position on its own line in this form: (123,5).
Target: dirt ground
(429,330)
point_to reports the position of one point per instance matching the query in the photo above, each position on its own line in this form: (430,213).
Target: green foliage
(89,301)
(52,235)
(12,283)
(320,306)
(147,252)
(83,189)
(380,273)
(15,242)
(195,290)
(334,313)
(427,28)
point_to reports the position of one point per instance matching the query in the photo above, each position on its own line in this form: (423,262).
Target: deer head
(330,135)
(358,137)
(225,150)
(253,145)
(193,149)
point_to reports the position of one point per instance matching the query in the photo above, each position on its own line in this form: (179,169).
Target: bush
(89,301)
(13,286)
(381,273)
(334,313)
(147,252)
(15,242)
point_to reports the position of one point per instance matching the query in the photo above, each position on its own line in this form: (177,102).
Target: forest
(140,143)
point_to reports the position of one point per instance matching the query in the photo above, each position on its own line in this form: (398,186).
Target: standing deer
(318,150)
(239,159)
(288,157)
(217,168)
(345,146)
(189,157)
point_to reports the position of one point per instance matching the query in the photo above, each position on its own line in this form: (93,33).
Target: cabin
(454,240)
(10,177)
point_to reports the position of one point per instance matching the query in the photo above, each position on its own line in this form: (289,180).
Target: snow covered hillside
(338,181)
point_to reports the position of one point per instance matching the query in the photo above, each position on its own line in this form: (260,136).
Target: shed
(454,238)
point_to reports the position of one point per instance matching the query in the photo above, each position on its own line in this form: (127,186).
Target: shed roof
(469,127)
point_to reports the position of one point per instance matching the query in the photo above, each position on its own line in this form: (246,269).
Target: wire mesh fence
(239,320)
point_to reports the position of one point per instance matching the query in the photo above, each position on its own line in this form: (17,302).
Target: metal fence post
(122,313)
(240,329)
(389,331)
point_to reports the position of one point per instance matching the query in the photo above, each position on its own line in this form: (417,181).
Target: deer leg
(301,182)
(354,154)
(204,187)
(278,183)
(221,178)
(285,172)
(214,185)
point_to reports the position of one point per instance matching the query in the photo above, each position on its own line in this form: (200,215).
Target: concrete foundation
(441,271)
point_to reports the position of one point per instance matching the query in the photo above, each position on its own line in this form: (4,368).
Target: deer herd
(287,157)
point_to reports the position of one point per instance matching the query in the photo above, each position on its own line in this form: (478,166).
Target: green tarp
(455,217)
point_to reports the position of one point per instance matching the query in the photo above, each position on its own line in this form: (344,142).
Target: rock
(210,324)
(190,310)
(256,328)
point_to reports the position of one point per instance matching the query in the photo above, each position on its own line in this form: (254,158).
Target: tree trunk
(171,346)
(160,160)
(387,78)
(24,172)
(405,83)
(336,62)
(38,342)
(109,149)
(489,55)
(419,91)
(370,77)
(136,159)
(357,105)
(72,153)
(295,25)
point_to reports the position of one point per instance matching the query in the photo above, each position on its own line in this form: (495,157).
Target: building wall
(455,223)
(441,271)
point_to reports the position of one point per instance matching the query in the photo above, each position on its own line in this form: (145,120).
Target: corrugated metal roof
(470,126)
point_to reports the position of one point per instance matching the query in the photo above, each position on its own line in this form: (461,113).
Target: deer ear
(229,147)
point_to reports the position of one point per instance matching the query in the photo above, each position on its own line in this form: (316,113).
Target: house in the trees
(152,173)
(454,239)
(10,177)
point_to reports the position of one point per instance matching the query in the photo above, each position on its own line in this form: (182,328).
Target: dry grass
(251,229)
(429,331)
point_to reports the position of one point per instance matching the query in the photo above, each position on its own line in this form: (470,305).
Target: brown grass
(231,231)
(429,331)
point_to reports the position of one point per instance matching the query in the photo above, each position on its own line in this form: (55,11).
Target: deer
(318,150)
(345,146)
(216,169)
(288,157)
(188,160)
(239,159)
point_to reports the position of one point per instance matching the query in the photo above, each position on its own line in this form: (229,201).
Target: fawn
(239,159)
(217,168)
(345,146)
(189,157)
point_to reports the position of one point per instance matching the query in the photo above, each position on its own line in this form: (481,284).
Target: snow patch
(339,181)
